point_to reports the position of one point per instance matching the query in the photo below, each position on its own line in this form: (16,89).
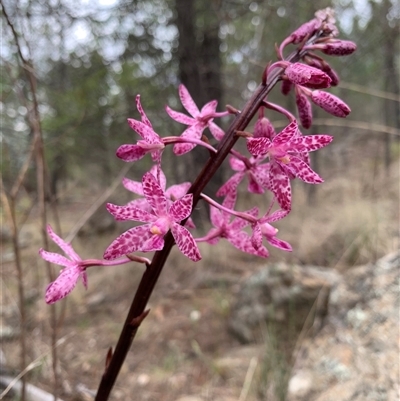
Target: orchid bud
(330,103)
(263,128)
(304,108)
(286,87)
(338,48)
(306,29)
(303,74)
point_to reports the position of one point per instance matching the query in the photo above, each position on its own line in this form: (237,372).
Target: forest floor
(183,350)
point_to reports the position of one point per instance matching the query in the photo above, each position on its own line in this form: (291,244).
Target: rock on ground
(356,354)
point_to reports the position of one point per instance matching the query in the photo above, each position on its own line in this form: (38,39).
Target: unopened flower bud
(306,29)
(303,74)
(330,103)
(339,48)
(304,108)
(263,128)
(286,87)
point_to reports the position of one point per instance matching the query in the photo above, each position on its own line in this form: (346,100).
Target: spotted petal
(187,101)
(181,208)
(129,212)
(131,153)
(281,186)
(135,239)
(154,194)
(65,246)
(304,171)
(310,143)
(63,285)
(180,117)
(185,242)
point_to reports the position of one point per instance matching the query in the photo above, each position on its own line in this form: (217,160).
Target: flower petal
(209,108)
(133,186)
(231,185)
(181,208)
(185,242)
(129,212)
(177,191)
(258,146)
(281,186)
(187,101)
(242,241)
(132,240)
(56,258)
(180,117)
(154,194)
(146,132)
(130,153)
(278,243)
(286,135)
(310,143)
(65,246)
(63,285)
(304,171)
(217,132)
(143,116)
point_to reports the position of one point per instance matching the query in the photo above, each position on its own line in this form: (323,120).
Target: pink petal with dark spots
(258,146)
(281,186)
(56,258)
(65,246)
(242,241)
(286,135)
(129,212)
(143,116)
(132,240)
(181,208)
(187,101)
(154,194)
(309,143)
(185,242)
(63,285)
(144,131)
(133,186)
(180,117)
(130,153)
(256,237)
(278,243)
(304,171)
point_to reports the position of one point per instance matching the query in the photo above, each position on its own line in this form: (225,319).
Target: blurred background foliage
(91,58)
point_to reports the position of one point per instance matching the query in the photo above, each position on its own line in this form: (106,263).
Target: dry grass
(354,220)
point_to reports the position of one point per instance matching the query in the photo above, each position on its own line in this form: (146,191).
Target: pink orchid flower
(74,269)
(256,172)
(172,193)
(288,154)
(232,230)
(262,229)
(199,121)
(151,142)
(162,218)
